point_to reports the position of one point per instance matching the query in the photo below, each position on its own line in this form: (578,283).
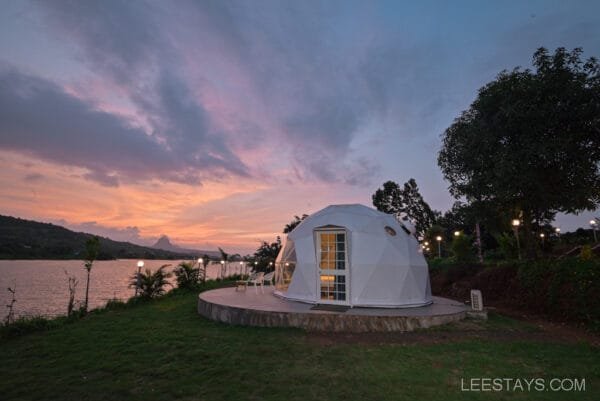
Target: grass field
(164,351)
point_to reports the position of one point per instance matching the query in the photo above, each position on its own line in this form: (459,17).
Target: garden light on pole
(515,225)
(542,236)
(140,264)
(594,225)
(201,268)
(439,241)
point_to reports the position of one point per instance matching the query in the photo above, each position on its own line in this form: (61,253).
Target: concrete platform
(247,308)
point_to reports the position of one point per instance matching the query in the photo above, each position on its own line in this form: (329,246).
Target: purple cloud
(37,117)
(33,177)
(324,75)
(286,63)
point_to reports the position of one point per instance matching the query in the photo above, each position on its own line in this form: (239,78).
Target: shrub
(567,287)
(186,275)
(508,245)
(25,325)
(586,253)
(114,304)
(436,263)
(462,248)
(151,284)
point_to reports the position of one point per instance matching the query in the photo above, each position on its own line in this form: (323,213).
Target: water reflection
(42,286)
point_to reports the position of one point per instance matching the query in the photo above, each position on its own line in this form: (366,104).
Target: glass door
(333,267)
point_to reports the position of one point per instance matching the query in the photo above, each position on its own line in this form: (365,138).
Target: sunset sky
(215,122)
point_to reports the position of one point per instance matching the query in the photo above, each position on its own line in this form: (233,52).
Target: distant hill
(26,239)
(165,244)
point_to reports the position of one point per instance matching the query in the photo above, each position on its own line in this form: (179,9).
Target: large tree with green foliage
(405,201)
(530,142)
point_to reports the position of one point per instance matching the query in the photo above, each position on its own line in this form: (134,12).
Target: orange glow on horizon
(235,214)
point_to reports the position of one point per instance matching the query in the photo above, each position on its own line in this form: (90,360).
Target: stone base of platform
(265,310)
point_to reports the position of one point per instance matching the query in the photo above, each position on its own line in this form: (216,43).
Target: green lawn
(165,351)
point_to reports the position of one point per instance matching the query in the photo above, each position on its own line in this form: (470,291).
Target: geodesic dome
(353,255)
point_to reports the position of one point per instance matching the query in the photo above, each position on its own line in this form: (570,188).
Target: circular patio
(248,308)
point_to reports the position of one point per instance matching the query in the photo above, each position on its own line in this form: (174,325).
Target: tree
(72,289)
(293,224)
(205,262)
(266,254)
(430,240)
(474,218)
(10,316)
(151,284)
(92,248)
(462,247)
(530,142)
(224,258)
(405,201)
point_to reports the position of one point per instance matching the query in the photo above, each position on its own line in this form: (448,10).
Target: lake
(42,286)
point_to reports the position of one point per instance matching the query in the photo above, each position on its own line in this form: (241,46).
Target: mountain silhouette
(165,244)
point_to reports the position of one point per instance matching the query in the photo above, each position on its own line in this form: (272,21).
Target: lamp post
(202,268)
(200,261)
(222,267)
(515,225)
(439,241)
(557,231)
(542,237)
(594,226)
(140,264)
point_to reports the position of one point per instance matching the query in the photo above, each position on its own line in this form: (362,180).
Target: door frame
(346,271)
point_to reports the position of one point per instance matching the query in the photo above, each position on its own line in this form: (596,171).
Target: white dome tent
(353,255)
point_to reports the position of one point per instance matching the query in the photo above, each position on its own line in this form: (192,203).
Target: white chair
(257,279)
(269,278)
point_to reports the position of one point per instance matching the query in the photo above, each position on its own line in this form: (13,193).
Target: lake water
(42,286)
